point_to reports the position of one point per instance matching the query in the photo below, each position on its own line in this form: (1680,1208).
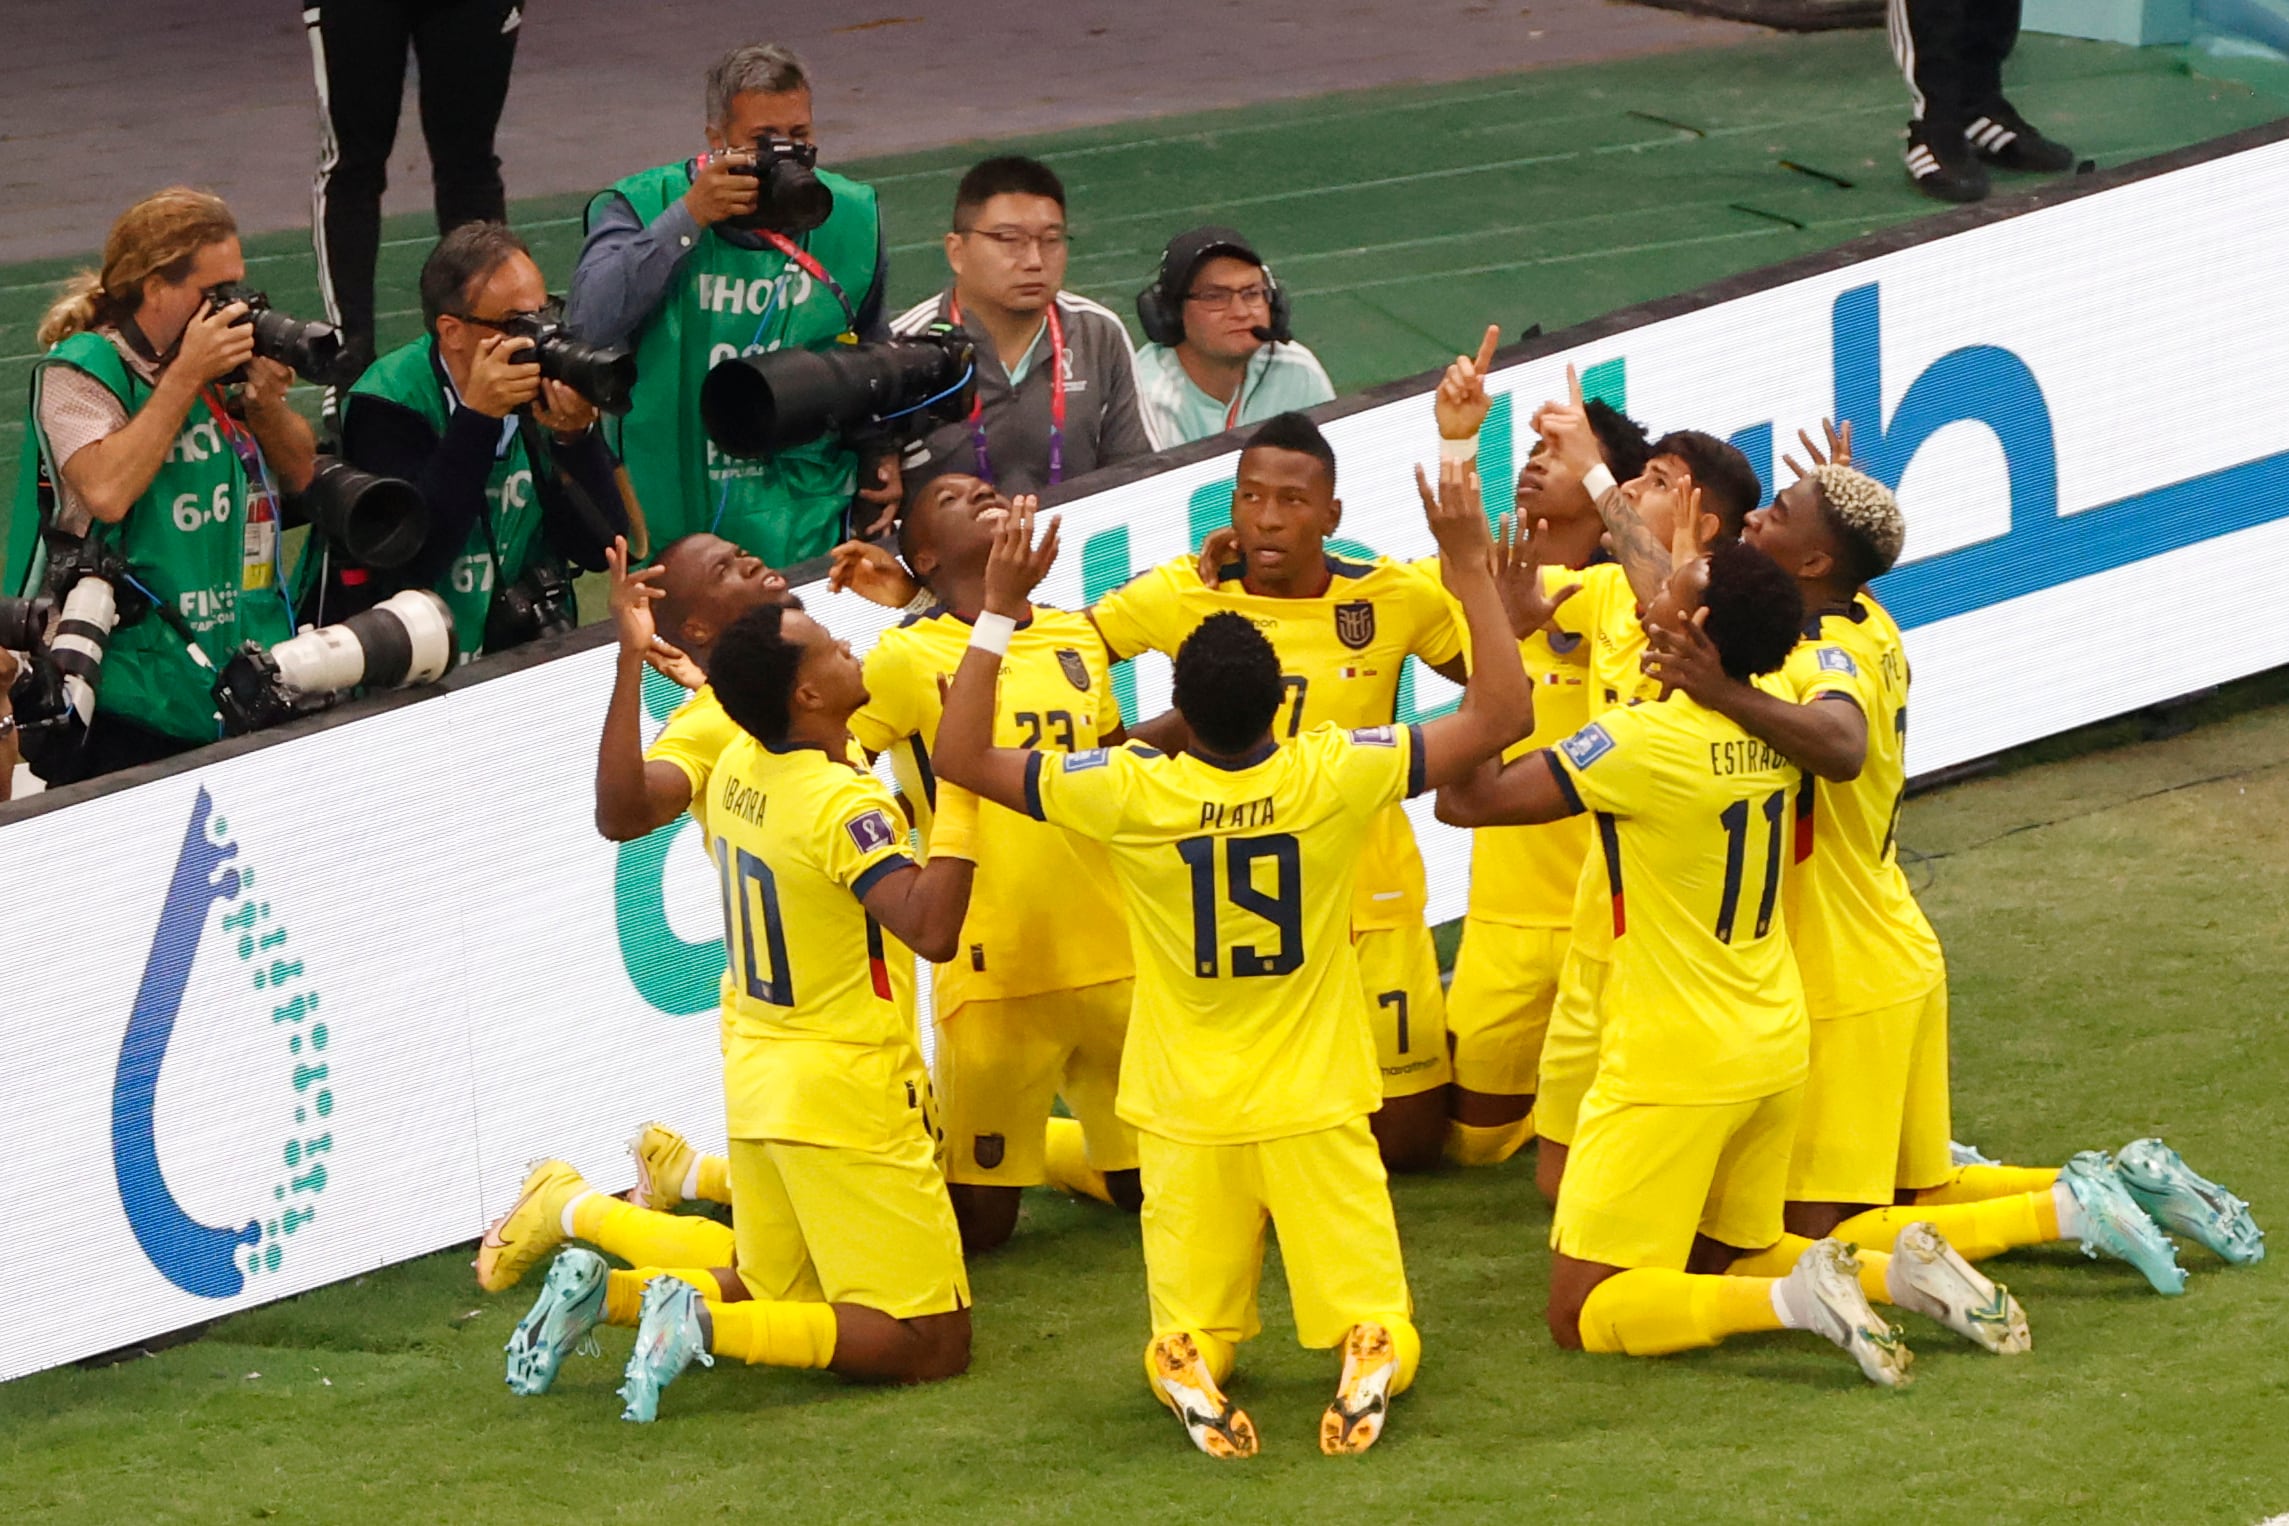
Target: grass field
(2113,923)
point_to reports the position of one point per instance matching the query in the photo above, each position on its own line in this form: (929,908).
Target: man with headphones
(1221,355)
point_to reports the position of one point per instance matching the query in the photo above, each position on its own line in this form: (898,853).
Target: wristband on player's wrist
(992,633)
(1598,481)
(1458,450)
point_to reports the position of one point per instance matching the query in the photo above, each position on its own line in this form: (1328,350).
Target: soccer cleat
(1928,1276)
(2178,1197)
(571,1301)
(1181,1379)
(1960,1154)
(1823,1294)
(668,1337)
(2009,141)
(663,1159)
(533,1226)
(1363,1398)
(2114,1224)
(1944,170)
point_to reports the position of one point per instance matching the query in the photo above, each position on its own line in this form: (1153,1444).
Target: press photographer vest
(408,377)
(188,540)
(728,301)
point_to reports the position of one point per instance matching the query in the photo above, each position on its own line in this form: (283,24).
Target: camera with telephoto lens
(87,593)
(789,198)
(539,603)
(377,522)
(405,639)
(314,350)
(603,375)
(891,392)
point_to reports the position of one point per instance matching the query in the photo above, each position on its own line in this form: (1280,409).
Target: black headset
(1160,306)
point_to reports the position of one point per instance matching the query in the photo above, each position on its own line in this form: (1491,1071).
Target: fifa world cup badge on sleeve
(1587,745)
(871,831)
(1834,659)
(1375,736)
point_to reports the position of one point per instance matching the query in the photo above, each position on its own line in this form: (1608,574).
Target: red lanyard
(813,269)
(1056,400)
(242,441)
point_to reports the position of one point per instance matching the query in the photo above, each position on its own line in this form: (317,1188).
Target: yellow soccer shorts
(1407,1006)
(821,1223)
(1505,979)
(1002,1062)
(1643,1178)
(1875,1105)
(1570,1047)
(1205,1211)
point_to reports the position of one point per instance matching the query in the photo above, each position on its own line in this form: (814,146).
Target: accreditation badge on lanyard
(258,557)
(1056,401)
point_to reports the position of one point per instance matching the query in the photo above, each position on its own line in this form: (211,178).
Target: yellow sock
(644,1237)
(624,1291)
(1651,1311)
(1409,1343)
(1476,1144)
(759,1331)
(1976,1184)
(1976,1230)
(1779,1259)
(713,1182)
(1065,1161)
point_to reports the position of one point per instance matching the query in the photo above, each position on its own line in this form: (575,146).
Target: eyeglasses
(506,322)
(1013,241)
(1225,296)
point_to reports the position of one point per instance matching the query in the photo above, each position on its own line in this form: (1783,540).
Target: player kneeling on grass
(1872,1159)
(1680,1159)
(1248,1074)
(845,1240)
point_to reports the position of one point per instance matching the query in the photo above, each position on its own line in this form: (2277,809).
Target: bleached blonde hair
(1865,511)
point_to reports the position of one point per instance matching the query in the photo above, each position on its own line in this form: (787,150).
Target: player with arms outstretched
(1249,1074)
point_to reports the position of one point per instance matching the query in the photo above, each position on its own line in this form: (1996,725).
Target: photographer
(1221,354)
(140,442)
(512,466)
(1057,384)
(724,255)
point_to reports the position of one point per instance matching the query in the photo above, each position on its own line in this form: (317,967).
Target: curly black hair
(1756,611)
(1227,683)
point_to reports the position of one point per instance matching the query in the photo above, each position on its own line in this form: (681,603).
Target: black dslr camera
(791,198)
(314,350)
(604,376)
(540,603)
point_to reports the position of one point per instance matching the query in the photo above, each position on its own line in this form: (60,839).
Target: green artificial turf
(2113,926)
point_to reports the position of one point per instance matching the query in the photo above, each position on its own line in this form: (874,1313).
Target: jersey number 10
(1281,906)
(749,890)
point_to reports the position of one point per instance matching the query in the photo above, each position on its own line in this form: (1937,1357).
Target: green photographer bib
(727,301)
(197,539)
(408,376)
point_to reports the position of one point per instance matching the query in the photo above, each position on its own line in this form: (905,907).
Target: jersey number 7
(1281,906)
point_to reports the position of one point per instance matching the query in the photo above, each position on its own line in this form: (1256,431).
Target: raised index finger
(1573,384)
(1487,347)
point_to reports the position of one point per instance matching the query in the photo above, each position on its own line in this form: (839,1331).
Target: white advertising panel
(310,1010)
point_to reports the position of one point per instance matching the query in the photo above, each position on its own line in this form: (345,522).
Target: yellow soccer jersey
(1249,1021)
(1045,914)
(1861,940)
(1528,876)
(1341,656)
(1703,1003)
(821,1005)
(1606,611)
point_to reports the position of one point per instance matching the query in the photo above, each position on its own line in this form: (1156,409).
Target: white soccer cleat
(1363,1399)
(1823,1294)
(1928,1276)
(1181,1379)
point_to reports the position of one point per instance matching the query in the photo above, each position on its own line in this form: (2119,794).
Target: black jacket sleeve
(570,527)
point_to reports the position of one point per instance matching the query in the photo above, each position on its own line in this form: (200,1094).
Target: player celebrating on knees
(1680,1155)
(1343,630)
(1523,878)
(1872,1161)
(1248,1073)
(1036,999)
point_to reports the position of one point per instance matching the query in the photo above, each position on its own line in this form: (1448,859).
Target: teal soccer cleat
(668,1336)
(570,1303)
(2114,1224)
(2182,1199)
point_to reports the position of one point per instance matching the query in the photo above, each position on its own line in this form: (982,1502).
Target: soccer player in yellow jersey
(1691,480)
(1522,878)
(846,1242)
(1249,1075)
(1872,1160)
(1344,630)
(1680,1157)
(1035,1001)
